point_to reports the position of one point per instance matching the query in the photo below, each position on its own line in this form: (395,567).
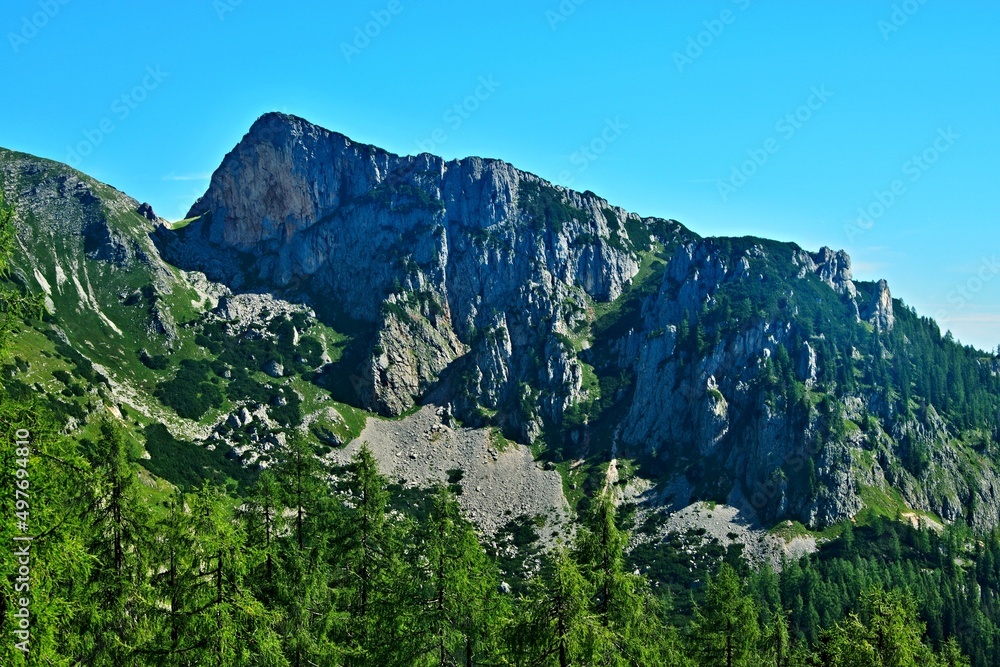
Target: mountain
(320,282)
(395,410)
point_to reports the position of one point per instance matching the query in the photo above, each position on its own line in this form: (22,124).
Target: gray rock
(807,368)
(879,311)
(834,268)
(432,253)
(146,211)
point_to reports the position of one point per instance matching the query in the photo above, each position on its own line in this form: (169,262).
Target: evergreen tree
(237,630)
(51,504)
(118,537)
(459,611)
(177,571)
(375,589)
(630,632)
(556,626)
(261,515)
(725,626)
(951,655)
(886,633)
(303,586)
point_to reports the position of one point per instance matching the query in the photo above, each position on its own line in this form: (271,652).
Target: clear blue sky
(670,97)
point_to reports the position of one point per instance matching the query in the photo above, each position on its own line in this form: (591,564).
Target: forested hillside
(341,568)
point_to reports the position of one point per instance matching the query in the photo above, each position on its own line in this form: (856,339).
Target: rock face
(834,268)
(808,366)
(706,403)
(467,264)
(879,311)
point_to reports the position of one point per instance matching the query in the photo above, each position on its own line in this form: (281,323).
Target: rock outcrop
(834,268)
(879,310)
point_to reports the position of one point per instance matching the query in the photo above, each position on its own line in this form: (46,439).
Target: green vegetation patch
(545,206)
(193,390)
(189,466)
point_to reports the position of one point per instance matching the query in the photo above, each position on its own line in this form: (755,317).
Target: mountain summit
(737,370)
(745,369)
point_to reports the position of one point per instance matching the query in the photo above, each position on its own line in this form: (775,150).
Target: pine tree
(238,629)
(303,585)
(600,551)
(951,655)
(460,600)
(261,516)
(118,539)
(893,629)
(631,632)
(173,581)
(52,505)
(556,626)
(847,646)
(725,626)
(777,640)
(886,633)
(375,589)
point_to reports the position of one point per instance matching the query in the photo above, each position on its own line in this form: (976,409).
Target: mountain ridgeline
(756,371)
(736,370)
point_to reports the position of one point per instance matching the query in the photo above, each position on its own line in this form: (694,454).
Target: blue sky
(869,126)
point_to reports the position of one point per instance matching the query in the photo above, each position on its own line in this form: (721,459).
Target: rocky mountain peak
(879,311)
(834,268)
(431,253)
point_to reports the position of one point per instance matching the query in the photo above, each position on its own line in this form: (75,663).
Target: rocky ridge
(482,282)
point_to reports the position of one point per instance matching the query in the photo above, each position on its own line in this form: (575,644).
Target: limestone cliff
(469,258)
